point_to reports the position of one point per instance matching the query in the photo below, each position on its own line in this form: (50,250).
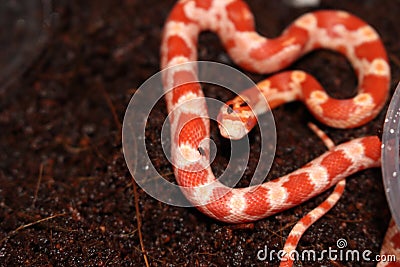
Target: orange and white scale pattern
(234,24)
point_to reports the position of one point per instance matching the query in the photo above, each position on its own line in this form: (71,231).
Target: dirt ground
(66,195)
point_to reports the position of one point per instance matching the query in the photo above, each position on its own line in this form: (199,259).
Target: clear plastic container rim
(390,155)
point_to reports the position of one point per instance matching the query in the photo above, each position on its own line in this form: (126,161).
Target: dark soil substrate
(66,195)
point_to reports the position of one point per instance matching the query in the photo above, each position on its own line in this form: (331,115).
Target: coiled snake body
(234,24)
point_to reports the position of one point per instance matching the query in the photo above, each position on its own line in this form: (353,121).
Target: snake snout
(235,122)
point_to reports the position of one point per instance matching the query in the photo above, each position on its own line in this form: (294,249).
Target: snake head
(236,119)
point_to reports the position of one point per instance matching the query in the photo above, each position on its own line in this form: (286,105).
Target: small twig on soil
(274,233)
(121,52)
(139,222)
(110,106)
(395,59)
(22,227)
(97,151)
(38,184)
(132,233)
(131,91)
(332,217)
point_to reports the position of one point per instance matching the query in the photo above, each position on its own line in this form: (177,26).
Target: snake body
(233,22)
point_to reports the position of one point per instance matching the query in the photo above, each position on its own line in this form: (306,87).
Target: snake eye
(229,109)
(201,151)
(244,104)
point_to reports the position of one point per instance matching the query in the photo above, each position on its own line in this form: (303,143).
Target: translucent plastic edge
(390,156)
